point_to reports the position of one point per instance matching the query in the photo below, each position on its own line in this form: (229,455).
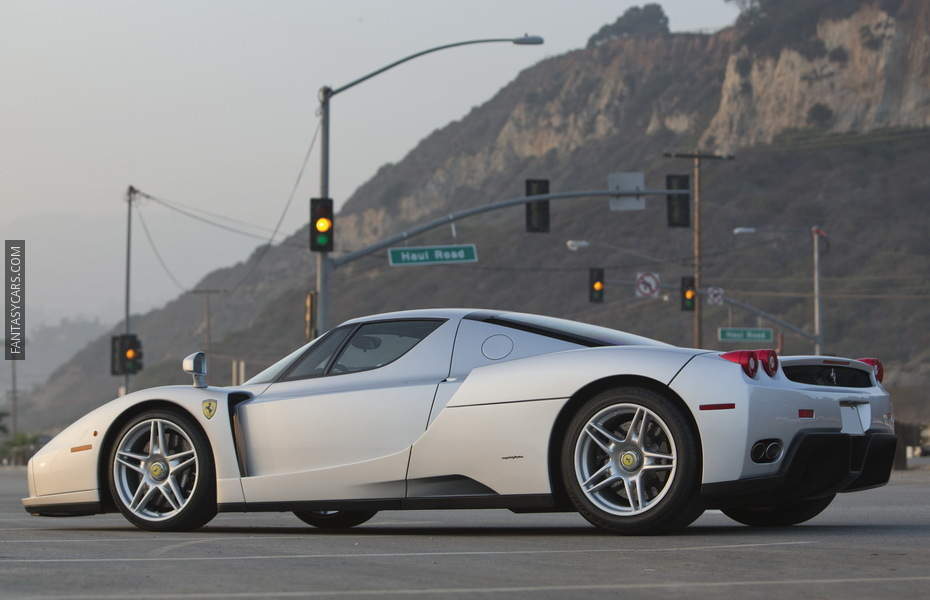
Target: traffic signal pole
(130,193)
(324,264)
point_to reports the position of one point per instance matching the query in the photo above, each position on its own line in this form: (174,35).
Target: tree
(646,19)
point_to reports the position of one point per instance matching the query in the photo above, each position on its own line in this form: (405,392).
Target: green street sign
(431,255)
(745,334)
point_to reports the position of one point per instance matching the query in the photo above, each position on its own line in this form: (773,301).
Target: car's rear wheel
(630,462)
(334,519)
(161,470)
(780,515)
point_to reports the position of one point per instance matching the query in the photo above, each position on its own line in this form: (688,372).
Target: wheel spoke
(639,491)
(180,455)
(595,476)
(601,436)
(637,426)
(153,436)
(169,496)
(132,455)
(141,504)
(627,488)
(649,454)
(175,489)
(603,484)
(126,463)
(184,464)
(160,427)
(657,467)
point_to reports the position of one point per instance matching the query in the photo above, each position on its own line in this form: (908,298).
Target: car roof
(593,332)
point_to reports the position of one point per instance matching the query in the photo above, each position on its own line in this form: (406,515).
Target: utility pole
(816,233)
(130,193)
(208,344)
(696,158)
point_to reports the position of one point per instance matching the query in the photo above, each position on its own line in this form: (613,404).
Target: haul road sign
(431,255)
(744,334)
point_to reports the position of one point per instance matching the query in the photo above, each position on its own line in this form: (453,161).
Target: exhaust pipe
(758,452)
(772,451)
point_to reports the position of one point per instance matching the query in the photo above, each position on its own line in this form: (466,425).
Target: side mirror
(196,366)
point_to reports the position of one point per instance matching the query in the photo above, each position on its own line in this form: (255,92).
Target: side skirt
(515,502)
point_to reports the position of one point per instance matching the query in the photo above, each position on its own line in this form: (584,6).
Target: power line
(203,219)
(287,206)
(214,214)
(148,236)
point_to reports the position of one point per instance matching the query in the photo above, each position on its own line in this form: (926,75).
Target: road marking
(391,554)
(675,585)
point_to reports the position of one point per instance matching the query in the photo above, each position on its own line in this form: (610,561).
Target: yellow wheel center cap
(158,470)
(629,460)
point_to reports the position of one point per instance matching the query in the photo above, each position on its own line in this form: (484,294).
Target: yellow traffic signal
(598,286)
(323,224)
(690,294)
(130,354)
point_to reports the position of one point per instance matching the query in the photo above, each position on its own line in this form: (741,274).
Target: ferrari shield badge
(209,408)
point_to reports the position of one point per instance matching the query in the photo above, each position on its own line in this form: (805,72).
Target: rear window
(573,332)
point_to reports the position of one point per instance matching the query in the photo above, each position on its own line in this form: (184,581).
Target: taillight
(769,361)
(744,358)
(877,366)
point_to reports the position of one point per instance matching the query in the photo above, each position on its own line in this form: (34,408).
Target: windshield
(271,373)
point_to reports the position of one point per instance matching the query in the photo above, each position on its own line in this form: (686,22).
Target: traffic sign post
(431,255)
(745,334)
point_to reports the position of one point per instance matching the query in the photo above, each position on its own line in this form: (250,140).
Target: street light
(816,233)
(323,262)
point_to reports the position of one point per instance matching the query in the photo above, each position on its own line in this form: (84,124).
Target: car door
(339,423)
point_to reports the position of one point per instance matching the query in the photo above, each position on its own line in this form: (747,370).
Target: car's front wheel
(630,462)
(334,519)
(780,515)
(161,472)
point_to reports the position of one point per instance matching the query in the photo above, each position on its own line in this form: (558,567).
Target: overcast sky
(212,104)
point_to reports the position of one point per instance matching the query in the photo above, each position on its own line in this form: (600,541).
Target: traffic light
(688,293)
(133,354)
(537,212)
(679,205)
(125,354)
(322,224)
(596,284)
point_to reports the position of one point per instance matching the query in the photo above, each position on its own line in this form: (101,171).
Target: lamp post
(324,264)
(816,233)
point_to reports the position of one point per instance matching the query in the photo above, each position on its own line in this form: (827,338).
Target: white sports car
(458,408)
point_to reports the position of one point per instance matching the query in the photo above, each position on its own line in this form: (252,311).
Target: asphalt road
(869,544)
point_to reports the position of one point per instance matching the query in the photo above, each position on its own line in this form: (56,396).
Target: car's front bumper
(816,464)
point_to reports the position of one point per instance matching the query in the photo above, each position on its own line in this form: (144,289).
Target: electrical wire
(148,236)
(211,214)
(191,215)
(287,206)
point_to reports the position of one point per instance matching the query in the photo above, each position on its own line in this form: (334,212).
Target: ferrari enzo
(455,408)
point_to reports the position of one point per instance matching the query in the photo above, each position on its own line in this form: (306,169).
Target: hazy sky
(212,104)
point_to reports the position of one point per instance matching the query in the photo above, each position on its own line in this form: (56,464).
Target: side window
(377,344)
(314,362)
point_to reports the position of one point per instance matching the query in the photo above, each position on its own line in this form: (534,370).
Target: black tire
(780,515)
(680,505)
(334,519)
(201,507)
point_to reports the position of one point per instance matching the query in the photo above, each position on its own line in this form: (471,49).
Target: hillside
(830,127)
